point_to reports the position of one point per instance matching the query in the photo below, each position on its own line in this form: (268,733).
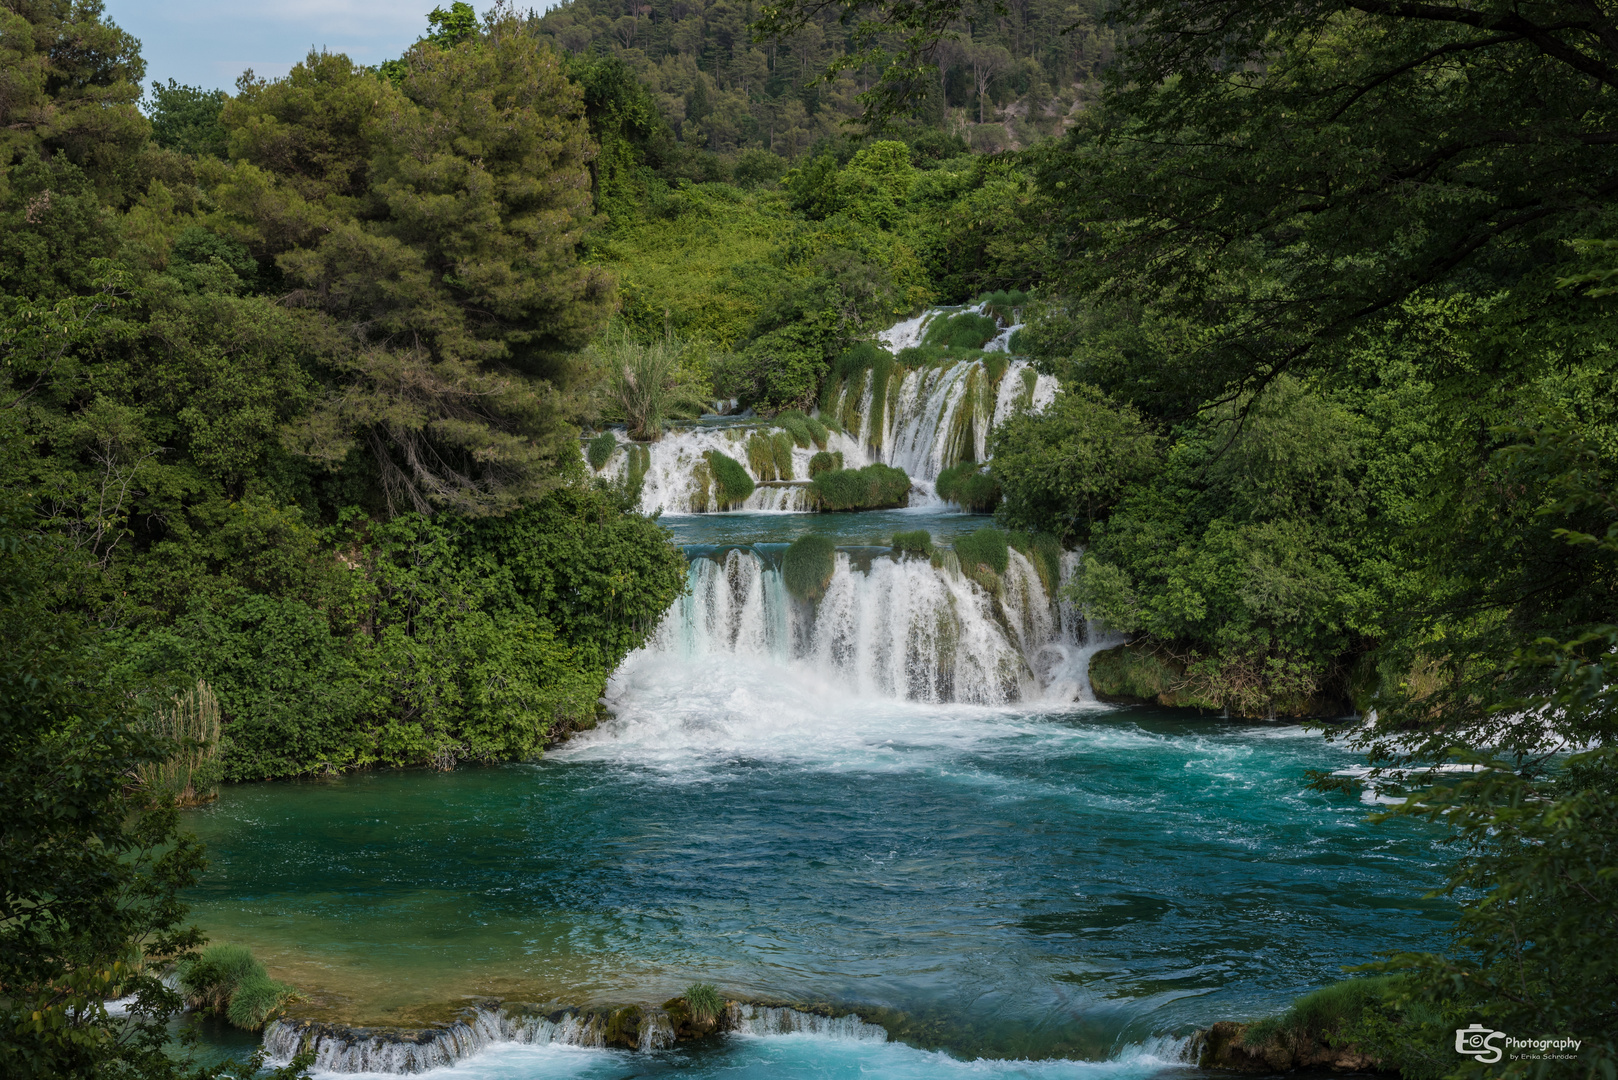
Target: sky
(208,43)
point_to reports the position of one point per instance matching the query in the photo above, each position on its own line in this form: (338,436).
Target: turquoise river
(1012,880)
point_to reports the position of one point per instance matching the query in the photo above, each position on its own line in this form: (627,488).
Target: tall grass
(191,775)
(645,385)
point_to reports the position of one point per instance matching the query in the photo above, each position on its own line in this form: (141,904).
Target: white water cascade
(899,628)
(932,417)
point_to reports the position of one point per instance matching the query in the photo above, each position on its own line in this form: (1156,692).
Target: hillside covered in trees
(1011,75)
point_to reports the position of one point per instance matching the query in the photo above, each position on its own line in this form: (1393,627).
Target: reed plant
(761,455)
(825,461)
(986,548)
(190,775)
(646,385)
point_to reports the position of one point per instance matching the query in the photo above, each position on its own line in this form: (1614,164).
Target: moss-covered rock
(808,566)
(1137,674)
(875,487)
(731,483)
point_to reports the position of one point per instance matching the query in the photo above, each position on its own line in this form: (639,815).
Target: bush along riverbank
(1371,1024)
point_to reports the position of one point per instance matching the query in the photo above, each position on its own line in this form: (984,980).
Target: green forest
(298,382)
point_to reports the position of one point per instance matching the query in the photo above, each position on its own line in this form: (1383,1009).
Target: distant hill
(1007,82)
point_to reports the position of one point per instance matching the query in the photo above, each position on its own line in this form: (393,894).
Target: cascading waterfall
(896,628)
(932,417)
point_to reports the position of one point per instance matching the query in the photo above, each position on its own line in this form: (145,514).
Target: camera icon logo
(1479,1042)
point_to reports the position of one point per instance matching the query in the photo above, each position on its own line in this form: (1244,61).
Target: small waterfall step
(339,1048)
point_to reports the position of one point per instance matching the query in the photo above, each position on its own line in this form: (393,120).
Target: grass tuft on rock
(825,461)
(781,451)
(704,1002)
(875,487)
(599,450)
(969,484)
(731,483)
(228,981)
(916,542)
(808,566)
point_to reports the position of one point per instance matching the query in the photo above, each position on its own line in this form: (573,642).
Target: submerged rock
(1222,1046)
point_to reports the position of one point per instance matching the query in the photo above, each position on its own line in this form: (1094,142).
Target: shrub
(808,566)
(600,449)
(986,547)
(969,484)
(732,485)
(875,487)
(917,542)
(825,461)
(210,979)
(704,1001)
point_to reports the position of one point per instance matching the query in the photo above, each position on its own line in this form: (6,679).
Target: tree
(90,868)
(434,225)
(186,118)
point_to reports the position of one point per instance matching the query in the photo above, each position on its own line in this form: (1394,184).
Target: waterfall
(896,627)
(646,1029)
(932,417)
